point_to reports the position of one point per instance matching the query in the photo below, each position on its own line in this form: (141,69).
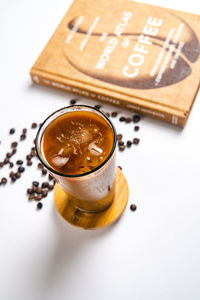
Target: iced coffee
(77,144)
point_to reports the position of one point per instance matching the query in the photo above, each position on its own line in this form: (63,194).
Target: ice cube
(94,149)
(59,161)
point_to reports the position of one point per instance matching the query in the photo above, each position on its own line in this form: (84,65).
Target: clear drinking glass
(91,191)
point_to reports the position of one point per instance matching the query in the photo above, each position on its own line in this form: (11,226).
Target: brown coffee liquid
(77,142)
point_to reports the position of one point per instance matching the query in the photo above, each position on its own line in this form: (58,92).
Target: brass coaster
(95,220)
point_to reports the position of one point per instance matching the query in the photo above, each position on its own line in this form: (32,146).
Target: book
(137,56)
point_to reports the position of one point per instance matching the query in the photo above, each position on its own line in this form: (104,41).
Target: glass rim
(86,173)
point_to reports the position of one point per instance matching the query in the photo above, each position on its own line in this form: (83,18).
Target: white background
(152,253)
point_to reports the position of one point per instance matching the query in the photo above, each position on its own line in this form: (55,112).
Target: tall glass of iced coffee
(77,144)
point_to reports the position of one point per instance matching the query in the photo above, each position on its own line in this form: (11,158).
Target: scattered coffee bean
(30,191)
(35,183)
(11,164)
(114,114)
(108,114)
(29,163)
(34,141)
(120,143)
(34,188)
(19,162)
(12,130)
(29,156)
(108,188)
(18,175)
(119,136)
(3,180)
(120,168)
(21,169)
(14,151)
(45,184)
(136,141)
(97,106)
(40,166)
(13,178)
(38,197)
(128,144)
(6,161)
(34,125)
(39,205)
(1,164)
(133,207)
(31,197)
(39,190)
(122,119)
(136,118)
(44,193)
(73,101)
(128,120)
(8,154)
(50,177)
(136,128)
(11,173)
(14,144)
(122,147)
(24,131)
(44,171)
(50,187)
(22,137)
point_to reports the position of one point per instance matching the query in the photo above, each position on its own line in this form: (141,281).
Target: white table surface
(150,254)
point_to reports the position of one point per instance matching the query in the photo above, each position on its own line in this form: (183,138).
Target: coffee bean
(12,130)
(34,188)
(11,173)
(8,154)
(1,164)
(45,184)
(39,190)
(14,144)
(33,153)
(128,120)
(44,171)
(11,164)
(18,175)
(50,177)
(136,141)
(119,136)
(136,128)
(73,101)
(34,141)
(35,183)
(21,169)
(31,197)
(128,144)
(44,193)
(14,151)
(114,114)
(19,162)
(29,163)
(136,118)
(30,191)
(40,166)
(24,131)
(6,161)
(97,106)
(3,180)
(34,125)
(120,168)
(108,114)
(122,119)
(22,137)
(38,197)
(39,205)
(50,187)
(120,143)
(133,207)
(108,188)
(13,178)
(121,147)
(29,156)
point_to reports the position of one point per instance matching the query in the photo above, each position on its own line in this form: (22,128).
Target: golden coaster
(94,220)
